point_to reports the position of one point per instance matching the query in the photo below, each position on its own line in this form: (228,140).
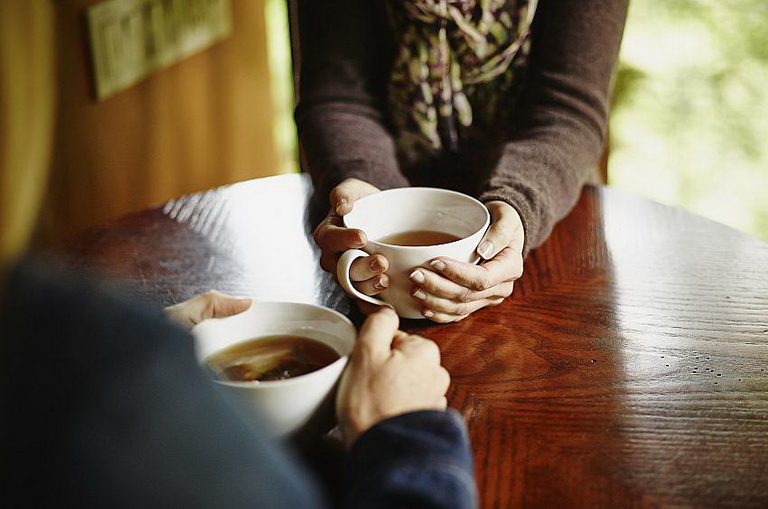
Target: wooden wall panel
(203,122)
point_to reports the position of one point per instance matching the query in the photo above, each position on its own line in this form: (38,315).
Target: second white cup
(419,215)
(287,406)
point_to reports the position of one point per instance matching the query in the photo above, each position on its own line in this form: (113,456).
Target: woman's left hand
(453,290)
(211,304)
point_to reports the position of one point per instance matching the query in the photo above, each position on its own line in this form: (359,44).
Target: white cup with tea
(282,359)
(411,226)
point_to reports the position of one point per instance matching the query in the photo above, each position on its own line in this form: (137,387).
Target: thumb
(224,306)
(506,229)
(211,304)
(377,333)
(344,196)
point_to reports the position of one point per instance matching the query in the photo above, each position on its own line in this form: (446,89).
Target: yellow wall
(203,122)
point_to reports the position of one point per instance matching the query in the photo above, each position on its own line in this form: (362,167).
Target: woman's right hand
(333,238)
(389,373)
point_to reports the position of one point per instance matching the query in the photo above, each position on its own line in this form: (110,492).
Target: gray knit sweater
(558,126)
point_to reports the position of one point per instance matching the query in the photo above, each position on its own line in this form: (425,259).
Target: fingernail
(381,283)
(340,205)
(376,265)
(419,294)
(437,265)
(417,276)
(427,314)
(485,249)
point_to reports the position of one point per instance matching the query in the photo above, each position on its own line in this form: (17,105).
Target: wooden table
(629,369)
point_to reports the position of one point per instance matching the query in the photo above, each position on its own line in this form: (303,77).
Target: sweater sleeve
(340,117)
(561,124)
(419,460)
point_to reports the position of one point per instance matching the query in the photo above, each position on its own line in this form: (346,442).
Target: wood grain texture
(627,370)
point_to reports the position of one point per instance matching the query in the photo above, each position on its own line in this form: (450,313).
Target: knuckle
(317,234)
(445,378)
(466,295)
(486,281)
(440,318)
(209,304)
(517,271)
(482,282)
(425,345)
(432,348)
(495,302)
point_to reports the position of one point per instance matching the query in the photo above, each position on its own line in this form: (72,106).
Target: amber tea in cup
(410,227)
(299,394)
(419,238)
(270,358)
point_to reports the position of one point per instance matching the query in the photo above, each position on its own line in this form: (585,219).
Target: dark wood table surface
(628,369)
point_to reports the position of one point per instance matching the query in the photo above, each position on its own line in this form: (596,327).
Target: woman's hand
(367,272)
(206,305)
(389,373)
(453,290)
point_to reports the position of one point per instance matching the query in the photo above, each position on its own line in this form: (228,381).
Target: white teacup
(395,211)
(285,405)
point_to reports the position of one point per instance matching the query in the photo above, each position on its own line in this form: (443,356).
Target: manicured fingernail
(437,265)
(417,276)
(427,314)
(376,265)
(419,294)
(381,283)
(485,249)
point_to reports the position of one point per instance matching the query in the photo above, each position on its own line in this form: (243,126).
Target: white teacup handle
(342,273)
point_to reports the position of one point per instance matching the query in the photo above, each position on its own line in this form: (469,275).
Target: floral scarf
(456,62)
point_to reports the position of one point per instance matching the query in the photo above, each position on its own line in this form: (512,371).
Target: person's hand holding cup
(410,227)
(447,288)
(368,273)
(389,373)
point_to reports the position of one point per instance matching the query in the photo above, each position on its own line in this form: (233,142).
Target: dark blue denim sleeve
(420,460)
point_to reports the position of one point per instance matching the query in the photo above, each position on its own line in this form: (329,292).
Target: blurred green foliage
(689,124)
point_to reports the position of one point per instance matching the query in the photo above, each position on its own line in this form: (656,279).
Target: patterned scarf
(452,53)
